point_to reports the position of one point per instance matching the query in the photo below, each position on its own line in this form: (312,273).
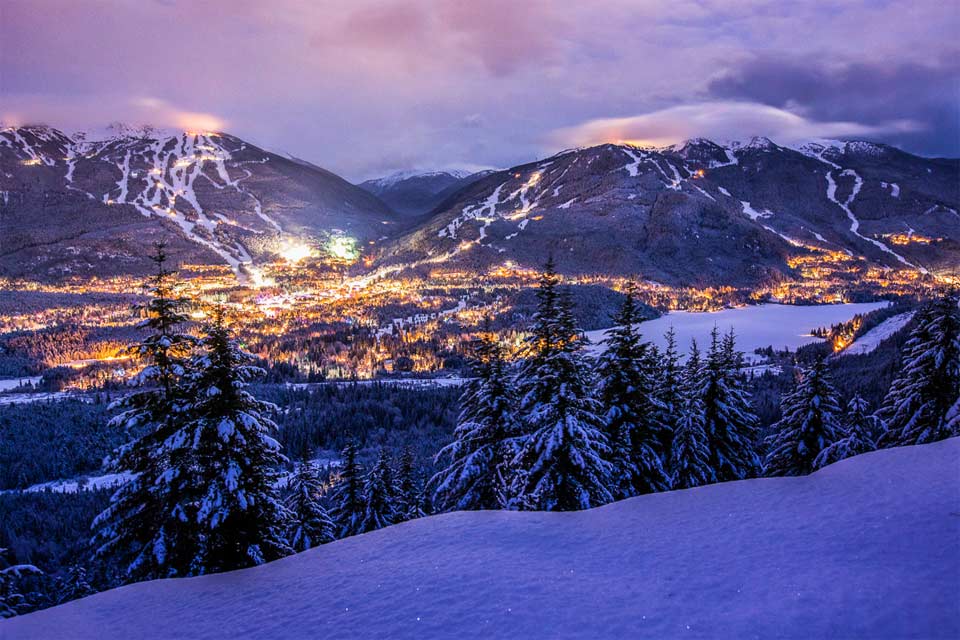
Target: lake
(778,325)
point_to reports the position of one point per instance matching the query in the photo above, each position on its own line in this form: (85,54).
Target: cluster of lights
(341,247)
(909,238)
(294,251)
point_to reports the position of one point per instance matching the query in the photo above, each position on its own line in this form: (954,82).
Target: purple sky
(364,87)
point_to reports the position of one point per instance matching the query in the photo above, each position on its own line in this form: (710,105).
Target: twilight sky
(365,87)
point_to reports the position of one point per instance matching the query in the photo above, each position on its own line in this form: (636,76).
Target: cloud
(159,112)
(497,37)
(868,92)
(86,112)
(362,85)
(718,120)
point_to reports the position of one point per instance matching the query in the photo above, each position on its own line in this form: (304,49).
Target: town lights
(293,251)
(342,248)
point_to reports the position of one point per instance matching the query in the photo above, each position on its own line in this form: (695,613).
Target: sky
(367,87)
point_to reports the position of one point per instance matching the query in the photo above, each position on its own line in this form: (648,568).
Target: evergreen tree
(378,496)
(409,492)
(479,474)
(309,525)
(347,497)
(224,459)
(633,415)
(143,522)
(670,395)
(857,435)
(810,424)
(562,463)
(924,400)
(689,452)
(12,601)
(729,421)
(75,585)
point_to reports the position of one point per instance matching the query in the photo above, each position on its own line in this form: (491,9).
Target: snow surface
(752,213)
(400,176)
(26,398)
(14,383)
(778,325)
(866,548)
(86,483)
(872,339)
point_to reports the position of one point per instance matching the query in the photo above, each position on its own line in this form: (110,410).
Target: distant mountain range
(694,213)
(414,193)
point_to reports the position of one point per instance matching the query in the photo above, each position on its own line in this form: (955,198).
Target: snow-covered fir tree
(479,474)
(810,423)
(729,421)
(633,415)
(409,492)
(378,496)
(12,600)
(858,429)
(923,404)
(74,585)
(347,495)
(225,460)
(562,464)
(309,524)
(689,451)
(144,521)
(670,395)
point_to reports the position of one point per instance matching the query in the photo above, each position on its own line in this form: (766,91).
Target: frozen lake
(778,325)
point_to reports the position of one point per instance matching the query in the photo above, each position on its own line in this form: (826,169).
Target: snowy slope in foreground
(867,548)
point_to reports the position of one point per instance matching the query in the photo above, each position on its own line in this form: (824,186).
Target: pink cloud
(503,34)
(719,120)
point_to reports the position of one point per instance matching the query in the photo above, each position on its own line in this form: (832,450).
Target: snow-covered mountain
(413,193)
(92,203)
(701,211)
(866,548)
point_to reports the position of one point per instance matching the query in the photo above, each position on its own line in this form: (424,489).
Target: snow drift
(866,548)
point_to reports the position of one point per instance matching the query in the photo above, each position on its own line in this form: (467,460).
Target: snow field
(866,548)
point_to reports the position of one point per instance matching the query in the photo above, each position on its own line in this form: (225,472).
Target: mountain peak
(760,143)
(411,174)
(415,192)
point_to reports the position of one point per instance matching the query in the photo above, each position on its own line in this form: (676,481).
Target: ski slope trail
(854,221)
(866,548)
(868,342)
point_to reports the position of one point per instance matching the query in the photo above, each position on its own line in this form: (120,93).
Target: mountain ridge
(786,200)
(229,200)
(697,212)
